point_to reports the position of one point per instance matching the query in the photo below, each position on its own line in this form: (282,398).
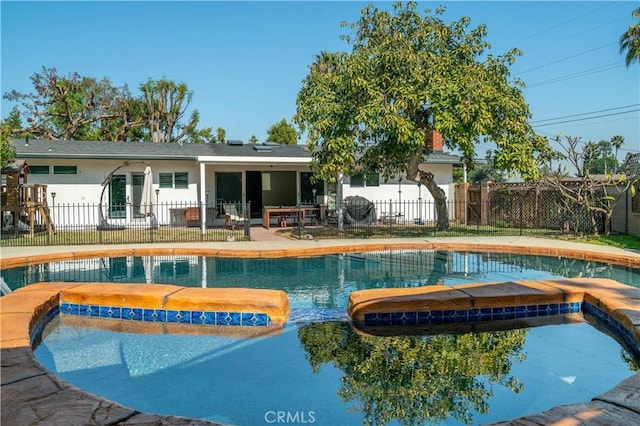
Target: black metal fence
(506,213)
(78,224)
(359,218)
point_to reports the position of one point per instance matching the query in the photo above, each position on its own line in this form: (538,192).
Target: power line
(562,24)
(584,123)
(566,57)
(584,73)
(587,118)
(585,113)
(588,30)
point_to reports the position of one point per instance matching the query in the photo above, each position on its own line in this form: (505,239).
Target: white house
(111,174)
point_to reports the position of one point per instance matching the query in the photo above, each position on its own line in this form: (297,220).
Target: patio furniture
(284,213)
(232,217)
(193,216)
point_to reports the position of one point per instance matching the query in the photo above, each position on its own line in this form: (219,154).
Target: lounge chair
(232,217)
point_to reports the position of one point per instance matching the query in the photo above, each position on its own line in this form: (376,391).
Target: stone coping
(625,258)
(25,381)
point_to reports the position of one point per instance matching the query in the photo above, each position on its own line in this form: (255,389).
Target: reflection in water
(415,380)
(323,281)
(342,377)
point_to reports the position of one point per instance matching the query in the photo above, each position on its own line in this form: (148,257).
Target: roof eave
(239,160)
(102,156)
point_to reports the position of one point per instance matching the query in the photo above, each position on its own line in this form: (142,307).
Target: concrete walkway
(267,240)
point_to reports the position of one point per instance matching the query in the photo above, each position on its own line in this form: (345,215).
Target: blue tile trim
(614,325)
(38,328)
(439,317)
(249,319)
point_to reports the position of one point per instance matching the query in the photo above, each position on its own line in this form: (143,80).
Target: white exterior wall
(85,187)
(390,202)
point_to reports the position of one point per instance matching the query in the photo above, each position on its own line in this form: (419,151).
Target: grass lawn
(624,241)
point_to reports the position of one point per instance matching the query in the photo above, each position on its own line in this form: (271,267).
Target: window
(65,170)
(360,180)
(39,170)
(179,180)
(117,197)
(166,180)
(357,181)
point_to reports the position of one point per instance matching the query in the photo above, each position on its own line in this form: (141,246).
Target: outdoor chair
(232,217)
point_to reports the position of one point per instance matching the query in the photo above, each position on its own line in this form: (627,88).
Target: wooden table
(295,212)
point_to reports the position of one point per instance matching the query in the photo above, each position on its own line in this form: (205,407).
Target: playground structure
(24,207)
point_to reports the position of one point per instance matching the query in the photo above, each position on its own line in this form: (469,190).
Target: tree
(14,121)
(630,40)
(221,135)
(204,135)
(253,140)
(377,107)
(617,141)
(84,108)
(587,195)
(69,107)
(599,158)
(484,172)
(283,133)
(166,103)
(7,149)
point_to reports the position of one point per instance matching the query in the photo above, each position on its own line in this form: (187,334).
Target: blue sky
(245,61)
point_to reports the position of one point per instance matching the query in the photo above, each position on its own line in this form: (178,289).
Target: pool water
(320,371)
(321,281)
(324,373)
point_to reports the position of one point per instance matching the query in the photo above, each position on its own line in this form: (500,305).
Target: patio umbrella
(147,208)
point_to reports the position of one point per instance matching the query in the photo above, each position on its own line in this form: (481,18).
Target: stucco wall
(623,219)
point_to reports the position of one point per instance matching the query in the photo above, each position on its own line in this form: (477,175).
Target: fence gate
(474,206)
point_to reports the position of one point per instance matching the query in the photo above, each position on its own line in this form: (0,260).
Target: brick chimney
(435,142)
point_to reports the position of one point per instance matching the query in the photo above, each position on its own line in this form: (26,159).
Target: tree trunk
(425,178)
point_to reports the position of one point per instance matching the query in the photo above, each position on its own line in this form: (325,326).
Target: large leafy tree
(283,133)
(376,107)
(630,40)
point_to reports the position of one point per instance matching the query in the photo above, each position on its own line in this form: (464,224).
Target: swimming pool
(327,374)
(351,271)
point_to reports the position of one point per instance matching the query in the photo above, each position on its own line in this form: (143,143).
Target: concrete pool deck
(32,395)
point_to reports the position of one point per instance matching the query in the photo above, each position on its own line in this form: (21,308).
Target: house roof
(441,158)
(233,152)
(146,150)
